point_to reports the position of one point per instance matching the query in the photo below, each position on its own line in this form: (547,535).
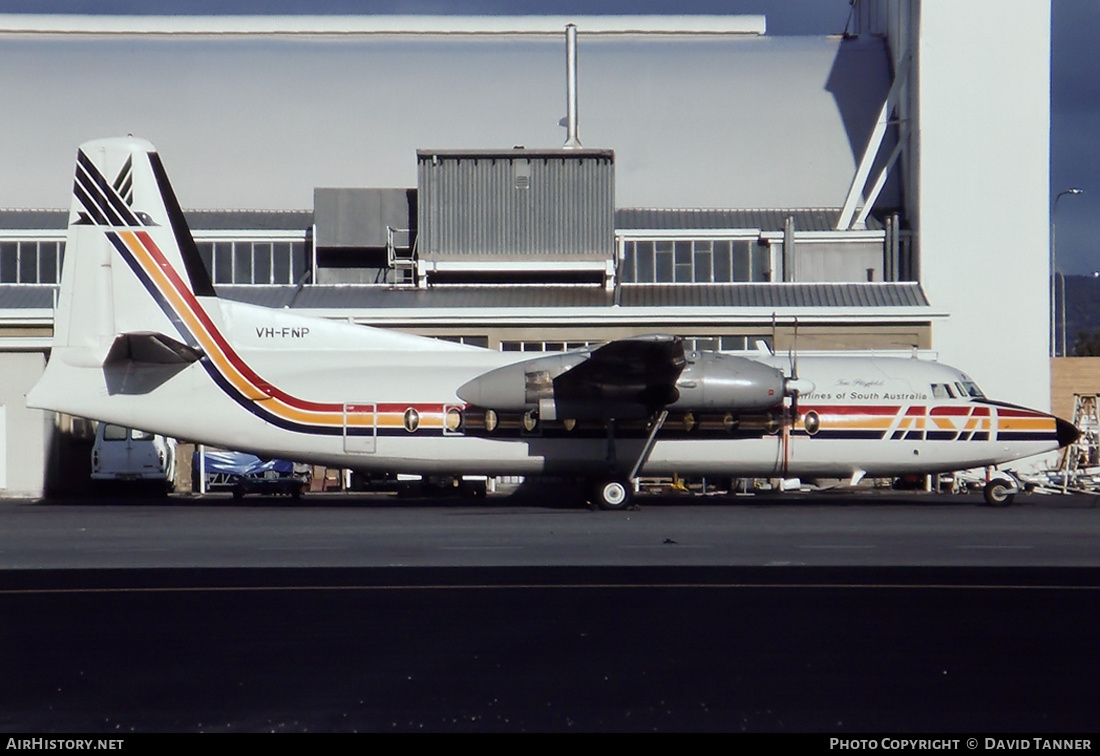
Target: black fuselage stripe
(1027,436)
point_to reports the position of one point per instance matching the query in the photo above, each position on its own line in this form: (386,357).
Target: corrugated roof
(764,219)
(26,296)
(249,220)
(626,218)
(749,295)
(519,151)
(36,220)
(457,297)
(198,220)
(771,296)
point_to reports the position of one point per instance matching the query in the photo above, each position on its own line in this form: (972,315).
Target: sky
(1075,69)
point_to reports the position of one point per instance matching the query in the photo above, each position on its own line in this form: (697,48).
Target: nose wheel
(998,493)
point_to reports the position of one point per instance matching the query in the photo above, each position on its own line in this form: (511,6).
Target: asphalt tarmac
(337,530)
(367,616)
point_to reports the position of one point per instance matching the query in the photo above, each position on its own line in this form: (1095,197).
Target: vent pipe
(571,139)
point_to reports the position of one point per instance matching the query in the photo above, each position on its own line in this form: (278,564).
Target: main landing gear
(614,491)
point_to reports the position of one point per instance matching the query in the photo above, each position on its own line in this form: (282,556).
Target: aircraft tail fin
(131,282)
(130,249)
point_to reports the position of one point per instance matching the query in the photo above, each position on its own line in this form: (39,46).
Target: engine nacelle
(715,381)
(708,381)
(519,387)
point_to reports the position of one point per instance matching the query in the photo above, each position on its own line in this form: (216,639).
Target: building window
(725,343)
(478,341)
(694,261)
(691,343)
(30,262)
(254,262)
(543,346)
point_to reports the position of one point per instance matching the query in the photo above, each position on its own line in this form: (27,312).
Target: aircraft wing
(626,378)
(632,371)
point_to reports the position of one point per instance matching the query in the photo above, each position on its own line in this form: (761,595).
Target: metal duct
(572,141)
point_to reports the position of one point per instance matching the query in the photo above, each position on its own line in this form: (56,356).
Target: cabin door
(360,428)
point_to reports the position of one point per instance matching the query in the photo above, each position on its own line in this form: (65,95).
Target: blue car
(244,473)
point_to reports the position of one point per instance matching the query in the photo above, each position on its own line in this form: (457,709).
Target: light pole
(1054,274)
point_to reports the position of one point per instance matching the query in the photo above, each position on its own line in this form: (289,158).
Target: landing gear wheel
(612,494)
(998,493)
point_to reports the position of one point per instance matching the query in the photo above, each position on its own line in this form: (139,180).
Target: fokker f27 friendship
(142,339)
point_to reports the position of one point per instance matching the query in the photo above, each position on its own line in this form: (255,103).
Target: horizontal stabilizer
(150,348)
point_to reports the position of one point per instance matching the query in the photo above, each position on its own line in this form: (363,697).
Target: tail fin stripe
(109,197)
(126,191)
(192,262)
(221,361)
(124,182)
(179,299)
(188,312)
(122,245)
(98,192)
(104,194)
(90,207)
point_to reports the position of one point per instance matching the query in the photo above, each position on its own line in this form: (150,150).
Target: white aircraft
(142,340)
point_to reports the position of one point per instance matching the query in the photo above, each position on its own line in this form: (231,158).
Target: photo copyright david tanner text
(960,744)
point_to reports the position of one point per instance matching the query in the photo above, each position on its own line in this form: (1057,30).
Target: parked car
(122,454)
(244,473)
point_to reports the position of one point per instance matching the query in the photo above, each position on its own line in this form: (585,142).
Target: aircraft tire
(612,494)
(998,493)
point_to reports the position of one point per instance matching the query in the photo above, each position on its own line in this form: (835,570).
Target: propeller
(793,387)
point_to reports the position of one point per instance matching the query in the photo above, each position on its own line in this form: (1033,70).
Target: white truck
(128,454)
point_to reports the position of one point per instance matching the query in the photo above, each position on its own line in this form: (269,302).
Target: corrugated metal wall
(359,217)
(516,205)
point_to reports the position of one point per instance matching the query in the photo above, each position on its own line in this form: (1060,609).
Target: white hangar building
(886,188)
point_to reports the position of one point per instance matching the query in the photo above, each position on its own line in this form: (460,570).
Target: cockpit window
(964,389)
(973,390)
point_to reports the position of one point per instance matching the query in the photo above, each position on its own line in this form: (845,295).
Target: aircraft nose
(1067,432)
